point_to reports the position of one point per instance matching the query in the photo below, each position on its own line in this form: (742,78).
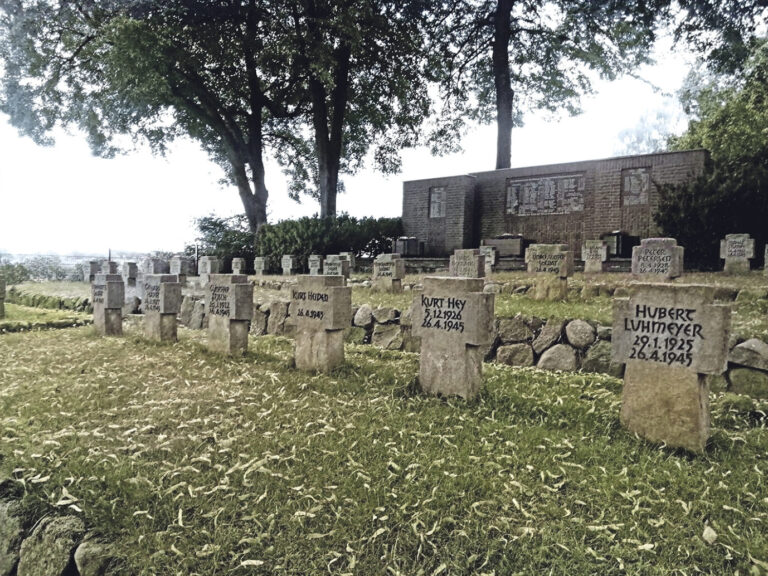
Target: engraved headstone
(388,273)
(554,264)
(288,263)
(594,253)
(335,265)
(658,257)
(350,256)
(161,305)
(2,297)
(456,324)
(322,309)
(229,307)
(737,250)
(108,267)
(206,266)
(238,265)
(259,265)
(130,272)
(315,265)
(93,268)
(182,267)
(107,298)
(670,336)
(467,264)
(490,258)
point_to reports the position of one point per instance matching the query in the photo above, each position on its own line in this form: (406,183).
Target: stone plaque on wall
(550,195)
(635,186)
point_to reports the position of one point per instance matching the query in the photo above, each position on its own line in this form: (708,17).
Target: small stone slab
(108,267)
(490,258)
(335,265)
(93,268)
(467,264)
(107,298)
(208,265)
(659,258)
(506,245)
(349,257)
(315,265)
(388,272)
(259,265)
(594,253)
(455,321)
(238,265)
(554,259)
(48,550)
(737,250)
(161,305)
(288,263)
(670,337)
(130,272)
(229,307)
(182,267)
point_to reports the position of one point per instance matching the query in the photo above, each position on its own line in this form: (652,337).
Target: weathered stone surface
(11,535)
(598,359)
(753,383)
(94,558)
(238,265)
(660,258)
(580,334)
(132,305)
(492,288)
(406,318)
(259,265)
(737,250)
(753,353)
(229,310)
(387,336)
(198,317)
(336,265)
(160,327)
(259,322)
(48,550)
(278,312)
(559,357)
(467,264)
(162,302)
(489,252)
(553,259)
(186,310)
(385,314)
(594,253)
(604,332)
(668,404)
(315,262)
(388,272)
(513,330)
(288,264)
(515,355)
(455,321)
(411,343)
(550,288)
(108,298)
(549,335)
(364,316)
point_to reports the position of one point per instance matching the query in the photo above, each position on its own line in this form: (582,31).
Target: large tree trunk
(503,83)
(254,202)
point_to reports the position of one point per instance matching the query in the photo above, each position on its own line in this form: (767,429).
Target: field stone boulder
(492,288)
(363,317)
(196,319)
(753,383)
(513,330)
(132,305)
(386,315)
(549,335)
(580,334)
(11,536)
(604,332)
(278,313)
(259,321)
(752,353)
(94,558)
(515,355)
(598,359)
(406,316)
(185,312)
(559,357)
(48,550)
(387,336)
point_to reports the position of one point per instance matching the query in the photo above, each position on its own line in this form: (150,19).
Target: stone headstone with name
(161,305)
(238,265)
(107,298)
(661,258)
(288,263)
(467,264)
(259,265)
(335,265)
(554,264)
(490,258)
(388,273)
(322,309)
(2,297)
(315,265)
(108,267)
(182,267)
(206,266)
(670,336)
(594,253)
(350,256)
(93,268)
(229,307)
(130,272)
(455,321)
(507,245)
(737,250)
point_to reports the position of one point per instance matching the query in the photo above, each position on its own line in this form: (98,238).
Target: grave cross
(229,306)
(161,305)
(107,298)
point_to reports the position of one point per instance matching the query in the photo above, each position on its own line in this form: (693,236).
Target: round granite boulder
(559,357)
(580,334)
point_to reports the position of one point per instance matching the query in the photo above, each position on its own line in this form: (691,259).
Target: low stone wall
(16,296)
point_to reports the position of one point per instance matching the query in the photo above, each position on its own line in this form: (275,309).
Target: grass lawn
(26,318)
(198,464)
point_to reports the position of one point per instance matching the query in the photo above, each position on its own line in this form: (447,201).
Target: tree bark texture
(503,82)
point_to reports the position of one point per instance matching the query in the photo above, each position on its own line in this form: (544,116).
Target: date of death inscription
(443,313)
(661,334)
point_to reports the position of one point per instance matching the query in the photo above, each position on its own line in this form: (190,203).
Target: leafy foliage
(13,273)
(225,238)
(46,268)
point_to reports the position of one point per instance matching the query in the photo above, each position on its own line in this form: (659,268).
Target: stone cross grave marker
(594,253)
(554,264)
(238,265)
(315,265)
(229,306)
(350,256)
(2,297)
(490,258)
(388,273)
(661,258)
(456,324)
(93,268)
(108,267)
(107,298)
(670,336)
(182,267)
(259,265)
(206,266)
(336,265)
(467,264)
(161,305)
(289,264)
(737,250)
(130,272)
(322,309)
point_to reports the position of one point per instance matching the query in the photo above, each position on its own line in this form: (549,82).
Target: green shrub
(13,273)
(225,238)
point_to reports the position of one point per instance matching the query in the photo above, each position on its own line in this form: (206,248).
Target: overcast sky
(60,199)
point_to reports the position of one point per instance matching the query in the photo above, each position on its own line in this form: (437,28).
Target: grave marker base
(226,336)
(389,285)
(666,404)
(160,327)
(593,267)
(550,288)
(733,266)
(319,350)
(452,369)
(108,322)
